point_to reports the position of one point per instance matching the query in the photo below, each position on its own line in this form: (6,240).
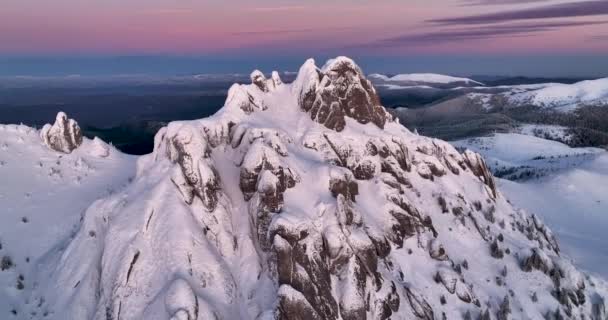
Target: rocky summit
(308,201)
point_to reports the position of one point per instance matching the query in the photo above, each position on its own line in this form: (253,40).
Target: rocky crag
(63,136)
(308,201)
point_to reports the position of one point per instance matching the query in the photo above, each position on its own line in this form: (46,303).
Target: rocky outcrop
(197,176)
(478,165)
(537,260)
(336,91)
(264,178)
(63,136)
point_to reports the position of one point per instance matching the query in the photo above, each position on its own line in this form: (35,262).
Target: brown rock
(422,309)
(63,136)
(339,91)
(478,166)
(343,185)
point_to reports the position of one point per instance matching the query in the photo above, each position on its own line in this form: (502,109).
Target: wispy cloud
(499,2)
(272,32)
(289,31)
(563,10)
(601,37)
(479,33)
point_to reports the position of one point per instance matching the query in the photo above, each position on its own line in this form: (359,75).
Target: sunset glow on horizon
(359,27)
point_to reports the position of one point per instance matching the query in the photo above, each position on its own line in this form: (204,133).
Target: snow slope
(424,78)
(43,197)
(572,198)
(575,203)
(307,201)
(512,149)
(566,97)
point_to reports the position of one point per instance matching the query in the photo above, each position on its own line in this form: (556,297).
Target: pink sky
(239,26)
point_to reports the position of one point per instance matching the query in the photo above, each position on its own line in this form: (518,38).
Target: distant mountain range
(493,81)
(454,113)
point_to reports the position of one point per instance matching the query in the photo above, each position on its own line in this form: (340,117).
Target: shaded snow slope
(571,197)
(575,202)
(43,197)
(307,201)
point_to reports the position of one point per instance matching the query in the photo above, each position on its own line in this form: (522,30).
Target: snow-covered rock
(306,201)
(63,136)
(336,91)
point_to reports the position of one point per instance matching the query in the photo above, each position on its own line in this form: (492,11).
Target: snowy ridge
(566,97)
(424,78)
(307,201)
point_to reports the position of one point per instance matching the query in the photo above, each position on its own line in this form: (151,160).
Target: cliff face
(336,91)
(306,201)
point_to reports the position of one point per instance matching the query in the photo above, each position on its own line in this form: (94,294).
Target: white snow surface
(190,236)
(423,78)
(517,149)
(398,87)
(43,197)
(566,97)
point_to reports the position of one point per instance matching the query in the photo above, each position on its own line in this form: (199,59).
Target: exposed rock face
(336,91)
(197,177)
(478,165)
(63,136)
(260,213)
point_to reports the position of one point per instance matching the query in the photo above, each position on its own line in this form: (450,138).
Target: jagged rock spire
(63,136)
(338,90)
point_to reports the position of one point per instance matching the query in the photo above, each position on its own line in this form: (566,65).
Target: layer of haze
(524,37)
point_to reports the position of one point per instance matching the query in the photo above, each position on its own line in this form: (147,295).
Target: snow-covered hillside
(565,97)
(423,78)
(303,201)
(513,155)
(43,198)
(570,194)
(548,132)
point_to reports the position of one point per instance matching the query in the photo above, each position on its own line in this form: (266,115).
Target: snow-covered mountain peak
(341,62)
(305,201)
(330,95)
